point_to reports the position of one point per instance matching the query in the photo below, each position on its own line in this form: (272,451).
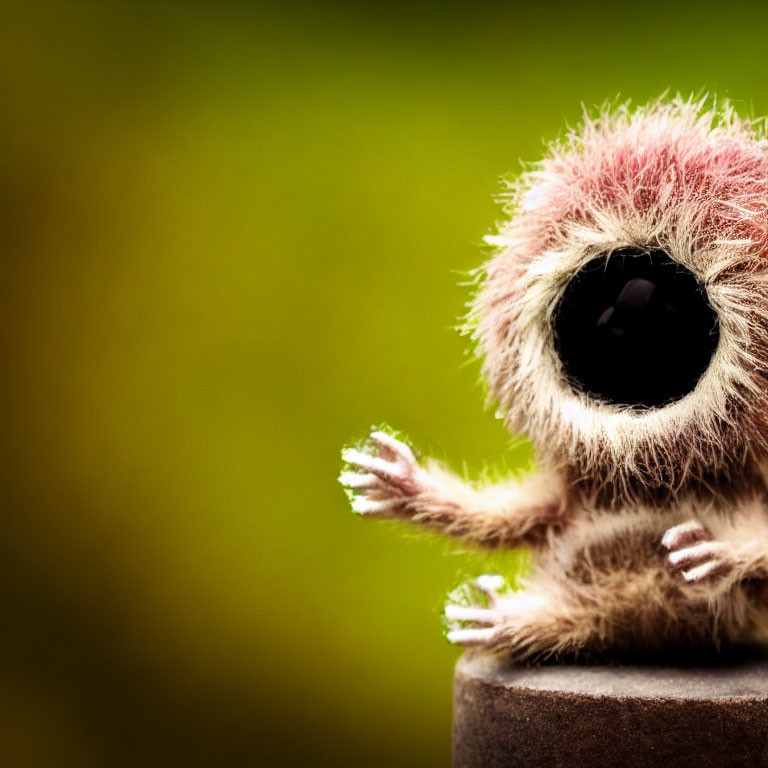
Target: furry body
(606,587)
(649,525)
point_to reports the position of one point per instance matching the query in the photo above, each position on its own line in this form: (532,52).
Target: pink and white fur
(649,526)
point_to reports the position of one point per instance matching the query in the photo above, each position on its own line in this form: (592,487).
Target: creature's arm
(393,484)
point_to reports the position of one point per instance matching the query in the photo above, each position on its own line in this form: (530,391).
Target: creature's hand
(382,482)
(694,552)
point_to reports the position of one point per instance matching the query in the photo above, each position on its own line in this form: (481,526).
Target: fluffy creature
(623,325)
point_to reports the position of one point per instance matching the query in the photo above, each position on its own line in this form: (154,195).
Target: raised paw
(694,552)
(382,476)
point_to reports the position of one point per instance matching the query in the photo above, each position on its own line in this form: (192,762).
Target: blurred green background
(232,240)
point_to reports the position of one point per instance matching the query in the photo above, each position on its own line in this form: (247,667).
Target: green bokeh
(233,239)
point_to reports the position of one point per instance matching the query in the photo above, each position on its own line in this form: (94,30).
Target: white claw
(478,615)
(685,533)
(381,467)
(697,554)
(357,480)
(400,449)
(702,571)
(469,637)
(353,456)
(364,506)
(490,582)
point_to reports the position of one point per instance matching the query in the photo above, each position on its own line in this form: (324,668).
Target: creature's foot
(507,624)
(695,553)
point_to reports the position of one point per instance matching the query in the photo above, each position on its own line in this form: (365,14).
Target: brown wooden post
(712,715)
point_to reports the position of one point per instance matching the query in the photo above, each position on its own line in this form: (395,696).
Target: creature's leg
(524,625)
(387,481)
(616,612)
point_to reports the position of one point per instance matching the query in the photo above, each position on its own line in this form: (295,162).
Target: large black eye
(635,328)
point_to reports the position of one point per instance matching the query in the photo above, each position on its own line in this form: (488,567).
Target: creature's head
(623,321)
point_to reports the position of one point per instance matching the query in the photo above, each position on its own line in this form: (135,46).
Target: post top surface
(741,675)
